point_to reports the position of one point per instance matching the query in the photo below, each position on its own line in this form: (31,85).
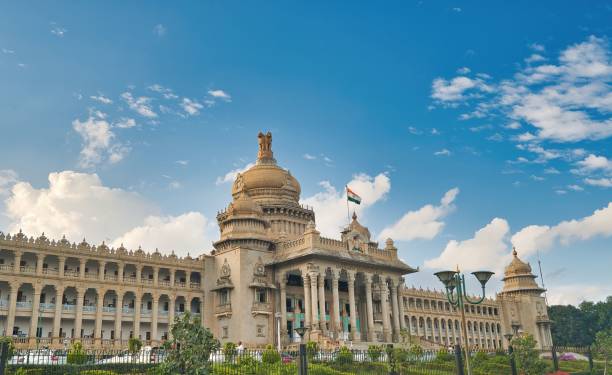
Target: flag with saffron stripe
(352,196)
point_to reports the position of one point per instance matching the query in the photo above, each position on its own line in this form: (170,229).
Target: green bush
(76,355)
(374,352)
(311,349)
(270,355)
(11,345)
(97,372)
(134,345)
(345,356)
(444,356)
(30,371)
(229,351)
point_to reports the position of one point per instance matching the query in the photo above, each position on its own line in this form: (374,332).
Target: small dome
(517,266)
(244,205)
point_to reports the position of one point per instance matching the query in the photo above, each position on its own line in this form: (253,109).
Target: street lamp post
(508,337)
(455,280)
(303,366)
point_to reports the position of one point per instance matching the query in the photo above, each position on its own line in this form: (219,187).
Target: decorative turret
(518,277)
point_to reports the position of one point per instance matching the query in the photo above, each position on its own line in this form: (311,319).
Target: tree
(76,355)
(189,349)
(527,357)
(603,346)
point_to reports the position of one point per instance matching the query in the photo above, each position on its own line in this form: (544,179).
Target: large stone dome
(517,267)
(266,182)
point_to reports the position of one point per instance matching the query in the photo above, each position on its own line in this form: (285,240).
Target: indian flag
(352,196)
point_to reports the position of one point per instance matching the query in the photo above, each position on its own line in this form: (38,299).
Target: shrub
(97,372)
(311,349)
(270,355)
(444,356)
(29,371)
(374,352)
(76,355)
(134,345)
(11,345)
(527,357)
(345,356)
(229,351)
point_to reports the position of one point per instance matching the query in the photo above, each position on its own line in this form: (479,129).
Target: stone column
(154,318)
(384,295)
(188,278)
(171,308)
(10,319)
(314,301)
(35,313)
(306,282)
(101,268)
(78,321)
(137,307)
(155,276)
(138,274)
(39,263)
(98,324)
(57,320)
(62,264)
(402,312)
(17,264)
(322,318)
(83,262)
(120,268)
(369,307)
(353,306)
(283,306)
(118,317)
(396,321)
(202,309)
(172,274)
(336,297)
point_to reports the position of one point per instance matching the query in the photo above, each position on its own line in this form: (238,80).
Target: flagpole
(348,214)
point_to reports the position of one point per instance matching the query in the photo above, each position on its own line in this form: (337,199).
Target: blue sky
(467,126)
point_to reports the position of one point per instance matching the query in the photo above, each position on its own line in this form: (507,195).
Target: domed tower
(523,306)
(276,191)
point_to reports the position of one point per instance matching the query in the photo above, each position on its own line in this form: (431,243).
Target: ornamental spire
(265,146)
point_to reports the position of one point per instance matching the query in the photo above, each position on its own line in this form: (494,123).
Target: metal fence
(374,361)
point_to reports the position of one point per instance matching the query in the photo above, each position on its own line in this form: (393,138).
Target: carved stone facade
(270,268)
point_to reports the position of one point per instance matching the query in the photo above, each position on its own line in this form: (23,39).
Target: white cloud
(58,30)
(594,163)
(98,144)
(190,106)
(7,51)
(415,131)
(159,30)
(443,152)
(486,250)
(424,223)
(220,94)
(463,70)
(537,47)
(78,205)
(231,175)
(455,90)
(182,162)
(184,234)
(307,156)
(574,294)
(141,105)
(543,237)
(330,203)
(167,93)
(8,178)
(551,170)
(457,9)
(601,182)
(575,187)
(125,123)
(102,99)
(536,178)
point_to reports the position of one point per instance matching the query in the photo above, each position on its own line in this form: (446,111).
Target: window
(224,297)
(289,304)
(261,295)
(225,332)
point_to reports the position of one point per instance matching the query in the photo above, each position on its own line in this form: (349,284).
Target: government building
(269,273)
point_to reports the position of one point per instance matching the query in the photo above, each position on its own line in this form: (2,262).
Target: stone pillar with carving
(355,334)
(155,276)
(283,306)
(336,299)
(17,264)
(369,307)
(57,319)
(118,318)
(396,320)
(61,265)
(400,298)
(138,273)
(40,258)
(155,312)
(188,278)
(78,321)
(137,309)
(384,301)
(314,309)
(35,313)
(101,268)
(98,322)
(322,316)
(307,305)
(172,276)
(12,307)
(171,308)
(82,264)
(120,268)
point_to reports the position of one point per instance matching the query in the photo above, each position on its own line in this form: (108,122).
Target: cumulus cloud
(101,98)
(141,105)
(330,203)
(98,143)
(594,163)
(544,237)
(443,152)
(574,294)
(231,175)
(220,94)
(78,205)
(191,107)
(183,234)
(424,223)
(8,178)
(566,101)
(487,249)
(601,182)
(125,123)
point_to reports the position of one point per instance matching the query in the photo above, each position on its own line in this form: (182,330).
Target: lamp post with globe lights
(454,283)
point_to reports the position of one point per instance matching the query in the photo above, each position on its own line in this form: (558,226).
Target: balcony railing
(47,306)
(70,273)
(68,307)
(24,305)
(146,312)
(110,277)
(89,308)
(48,271)
(27,269)
(194,285)
(3,304)
(6,267)
(110,309)
(128,310)
(92,276)
(222,309)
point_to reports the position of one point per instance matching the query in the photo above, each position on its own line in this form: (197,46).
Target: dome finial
(514,253)
(265,146)
(354,216)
